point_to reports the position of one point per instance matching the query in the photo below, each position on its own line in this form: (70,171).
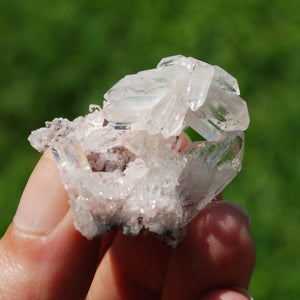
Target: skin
(51,260)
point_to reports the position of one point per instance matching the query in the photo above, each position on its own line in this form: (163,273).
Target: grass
(58,57)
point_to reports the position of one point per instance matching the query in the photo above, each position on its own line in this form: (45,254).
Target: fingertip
(60,265)
(218,252)
(44,201)
(217,211)
(223,231)
(42,253)
(241,209)
(224,294)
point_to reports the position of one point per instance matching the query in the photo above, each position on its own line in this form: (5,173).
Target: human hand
(42,256)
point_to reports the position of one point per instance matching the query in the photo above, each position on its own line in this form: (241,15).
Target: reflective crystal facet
(121,165)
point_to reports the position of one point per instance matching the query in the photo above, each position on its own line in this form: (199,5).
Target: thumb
(42,256)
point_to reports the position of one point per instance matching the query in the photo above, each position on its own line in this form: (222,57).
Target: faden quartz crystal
(121,166)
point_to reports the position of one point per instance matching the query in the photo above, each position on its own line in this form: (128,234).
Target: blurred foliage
(57,57)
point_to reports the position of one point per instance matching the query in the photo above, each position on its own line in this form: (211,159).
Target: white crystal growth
(121,165)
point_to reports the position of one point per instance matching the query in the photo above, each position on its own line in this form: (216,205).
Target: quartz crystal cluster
(121,166)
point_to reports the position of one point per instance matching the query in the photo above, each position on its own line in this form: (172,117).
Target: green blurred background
(57,57)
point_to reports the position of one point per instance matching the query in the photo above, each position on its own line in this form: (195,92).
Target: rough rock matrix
(121,165)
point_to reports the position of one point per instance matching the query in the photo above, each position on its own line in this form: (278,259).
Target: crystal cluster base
(121,166)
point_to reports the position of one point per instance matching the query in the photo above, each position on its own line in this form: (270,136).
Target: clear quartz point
(120,165)
(210,167)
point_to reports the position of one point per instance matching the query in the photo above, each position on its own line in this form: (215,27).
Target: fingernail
(239,207)
(44,202)
(244,292)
